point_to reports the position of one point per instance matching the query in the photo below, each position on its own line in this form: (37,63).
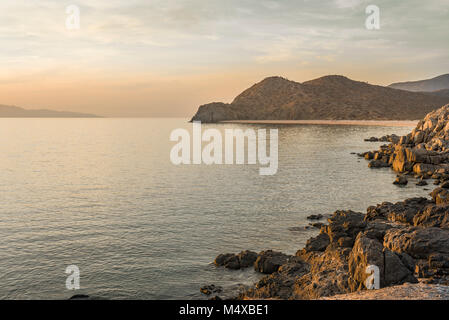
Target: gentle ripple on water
(102,194)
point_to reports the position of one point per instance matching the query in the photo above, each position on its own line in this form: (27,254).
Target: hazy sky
(166,57)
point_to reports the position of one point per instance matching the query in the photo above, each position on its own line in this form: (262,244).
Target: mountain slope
(434,84)
(17,112)
(327,98)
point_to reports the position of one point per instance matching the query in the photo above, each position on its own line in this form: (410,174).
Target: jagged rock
(269,261)
(401,180)
(368,251)
(318,243)
(421,183)
(231,261)
(328,273)
(433,216)
(378,164)
(209,289)
(280,284)
(440,196)
(317,225)
(344,223)
(403,211)
(372,139)
(315,217)
(418,242)
(247,258)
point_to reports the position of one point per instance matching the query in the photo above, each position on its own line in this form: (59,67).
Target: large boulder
(440,196)
(280,284)
(269,261)
(344,224)
(318,243)
(370,252)
(418,242)
(403,211)
(236,261)
(433,216)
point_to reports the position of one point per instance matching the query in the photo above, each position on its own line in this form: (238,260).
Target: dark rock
(419,243)
(378,164)
(209,289)
(315,217)
(269,261)
(247,258)
(368,251)
(440,196)
(318,243)
(433,216)
(79,297)
(344,223)
(317,225)
(421,183)
(280,284)
(401,180)
(231,261)
(403,211)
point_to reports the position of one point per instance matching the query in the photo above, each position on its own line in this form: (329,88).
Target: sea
(103,195)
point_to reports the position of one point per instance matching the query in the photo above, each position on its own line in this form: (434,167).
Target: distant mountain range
(17,112)
(331,97)
(434,84)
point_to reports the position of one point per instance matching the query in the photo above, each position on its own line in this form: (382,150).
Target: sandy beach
(386,123)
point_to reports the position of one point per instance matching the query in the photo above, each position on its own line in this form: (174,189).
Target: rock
(231,261)
(318,243)
(445,185)
(421,183)
(328,274)
(209,289)
(378,164)
(401,180)
(403,211)
(368,251)
(433,216)
(372,139)
(247,258)
(344,223)
(280,284)
(419,243)
(315,217)
(317,225)
(440,196)
(79,297)
(269,261)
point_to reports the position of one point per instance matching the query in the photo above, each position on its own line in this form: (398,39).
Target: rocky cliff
(326,98)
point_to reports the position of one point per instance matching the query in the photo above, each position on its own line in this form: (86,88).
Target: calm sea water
(102,194)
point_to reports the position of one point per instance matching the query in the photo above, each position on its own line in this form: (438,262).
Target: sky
(164,58)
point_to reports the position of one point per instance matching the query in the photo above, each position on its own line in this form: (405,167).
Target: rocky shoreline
(408,241)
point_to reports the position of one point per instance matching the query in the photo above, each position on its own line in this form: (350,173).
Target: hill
(17,112)
(328,98)
(434,84)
